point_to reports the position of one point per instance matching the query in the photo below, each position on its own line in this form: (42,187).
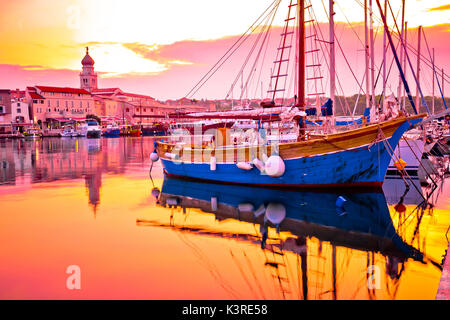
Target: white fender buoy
(213,204)
(244,165)
(155,192)
(171,155)
(212,164)
(154,156)
(275,213)
(259,164)
(274,166)
(260,210)
(245,207)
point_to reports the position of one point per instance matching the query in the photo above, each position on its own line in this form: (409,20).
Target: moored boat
(32,133)
(90,129)
(357,157)
(135,131)
(111,131)
(69,132)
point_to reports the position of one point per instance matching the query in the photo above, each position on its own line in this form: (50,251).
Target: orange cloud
(441,8)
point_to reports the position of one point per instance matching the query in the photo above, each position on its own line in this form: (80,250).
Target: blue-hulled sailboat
(354,158)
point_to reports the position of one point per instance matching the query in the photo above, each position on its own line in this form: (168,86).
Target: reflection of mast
(333,262)
(301,241)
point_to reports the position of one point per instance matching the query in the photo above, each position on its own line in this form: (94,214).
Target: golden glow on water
(90,203)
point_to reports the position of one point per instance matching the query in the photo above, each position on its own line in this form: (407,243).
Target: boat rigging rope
(392,155)
(434,71)
(232,49)
(264,42)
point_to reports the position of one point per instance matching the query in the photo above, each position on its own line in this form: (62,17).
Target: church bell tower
(88,78)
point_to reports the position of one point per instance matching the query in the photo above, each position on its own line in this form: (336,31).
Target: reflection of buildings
(53,159)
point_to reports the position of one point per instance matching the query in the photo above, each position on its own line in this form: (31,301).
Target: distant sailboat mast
(400,91)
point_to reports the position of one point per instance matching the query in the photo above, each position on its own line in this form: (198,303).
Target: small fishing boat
(69,132)
(156,129)
(111,130)
(135,130)
(32,133)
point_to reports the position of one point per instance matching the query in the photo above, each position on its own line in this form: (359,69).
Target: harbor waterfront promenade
(48,107)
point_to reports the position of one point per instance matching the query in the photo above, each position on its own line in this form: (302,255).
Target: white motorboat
(90,129)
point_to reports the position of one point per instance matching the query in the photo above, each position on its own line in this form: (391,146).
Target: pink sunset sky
(163,48)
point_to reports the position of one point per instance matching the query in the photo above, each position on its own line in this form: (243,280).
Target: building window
(35,101)
(57,103)
(19,111)
(2,109)
(49,110)
(127,109)
(42,101)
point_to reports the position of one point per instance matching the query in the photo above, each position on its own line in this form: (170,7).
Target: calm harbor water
(92,203)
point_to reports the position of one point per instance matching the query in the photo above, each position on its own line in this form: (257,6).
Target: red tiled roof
(137,95)
(34,95)
(105,90)
(62,90)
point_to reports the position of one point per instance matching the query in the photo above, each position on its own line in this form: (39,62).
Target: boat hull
(93,134)
(362,165)
(111,133)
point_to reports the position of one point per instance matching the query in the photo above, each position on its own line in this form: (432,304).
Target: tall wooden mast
(332,60)
(301,54)
(366,55)
(301,63)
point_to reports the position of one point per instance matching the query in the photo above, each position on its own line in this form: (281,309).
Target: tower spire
(88,77)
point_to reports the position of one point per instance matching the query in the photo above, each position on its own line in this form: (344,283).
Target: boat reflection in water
(291,223)
(354,220)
